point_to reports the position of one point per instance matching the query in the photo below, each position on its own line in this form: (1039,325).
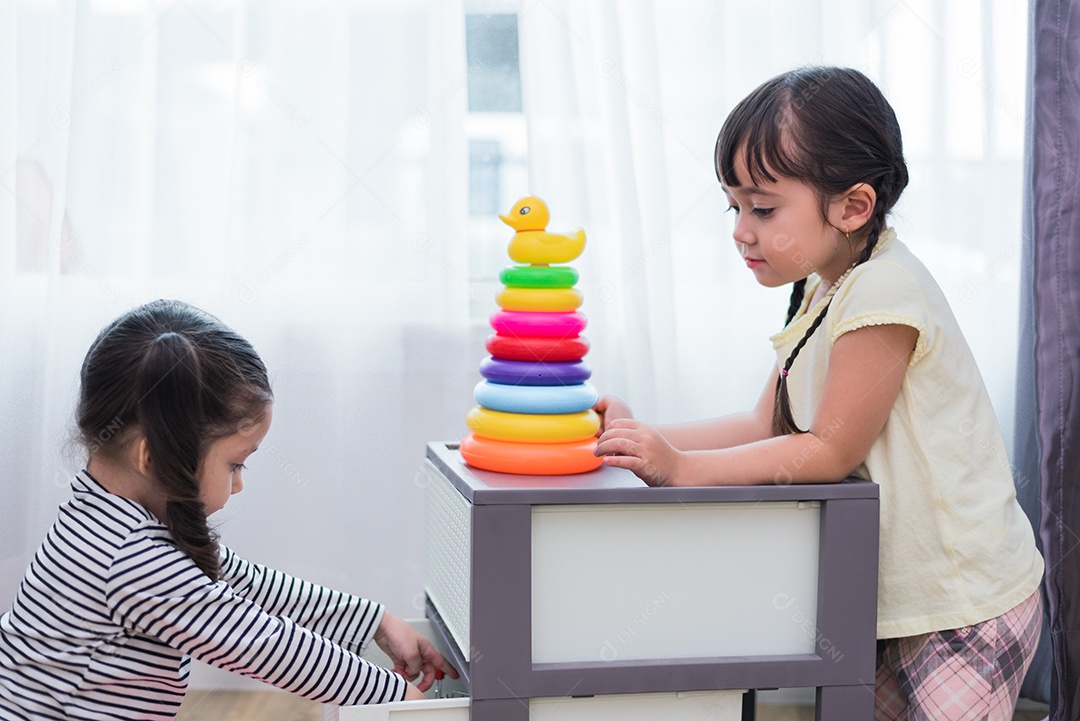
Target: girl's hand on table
(630,444)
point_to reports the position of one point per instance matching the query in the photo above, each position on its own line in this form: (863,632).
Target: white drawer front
(651,581)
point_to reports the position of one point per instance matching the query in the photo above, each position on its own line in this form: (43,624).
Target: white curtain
(300,170)
(286,167)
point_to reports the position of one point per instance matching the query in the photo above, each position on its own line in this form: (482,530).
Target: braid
(172,392)
(783,421)
(190,528)
(798,292)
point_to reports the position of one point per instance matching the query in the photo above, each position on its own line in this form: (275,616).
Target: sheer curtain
(300,170)
(296,169)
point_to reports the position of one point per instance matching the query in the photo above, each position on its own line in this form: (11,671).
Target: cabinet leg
(845,703)
(749,705)
(499,709)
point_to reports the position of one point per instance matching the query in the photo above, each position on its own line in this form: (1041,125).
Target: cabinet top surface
(616,485)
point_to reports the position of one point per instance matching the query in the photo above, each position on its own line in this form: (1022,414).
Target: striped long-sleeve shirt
(110,611)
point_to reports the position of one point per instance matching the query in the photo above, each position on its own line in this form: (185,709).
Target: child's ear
(142,456)
(853,208)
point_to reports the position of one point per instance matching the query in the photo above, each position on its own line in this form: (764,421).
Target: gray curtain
(1047,436)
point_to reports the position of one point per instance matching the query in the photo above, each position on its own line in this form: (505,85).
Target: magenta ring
(549,325)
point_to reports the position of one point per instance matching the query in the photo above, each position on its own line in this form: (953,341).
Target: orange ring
(531,459)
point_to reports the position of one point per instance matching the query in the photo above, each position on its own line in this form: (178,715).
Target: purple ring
(528,373)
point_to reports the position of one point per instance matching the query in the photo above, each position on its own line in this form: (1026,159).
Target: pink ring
(549,325)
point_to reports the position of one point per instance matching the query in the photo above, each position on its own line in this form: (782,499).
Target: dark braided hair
(832,129)
(181,379)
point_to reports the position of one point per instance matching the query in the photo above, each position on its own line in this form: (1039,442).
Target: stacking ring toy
(538,276)
(551,325)
(533,427)
(535,399)
(524,373)
(534,459)
(540,300)
(537,348)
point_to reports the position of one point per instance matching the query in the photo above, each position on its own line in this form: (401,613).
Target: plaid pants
(966,674)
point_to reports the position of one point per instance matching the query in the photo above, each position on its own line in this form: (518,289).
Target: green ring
(538,276)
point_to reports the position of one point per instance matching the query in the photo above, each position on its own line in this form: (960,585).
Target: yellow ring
(542,300)
(532,427)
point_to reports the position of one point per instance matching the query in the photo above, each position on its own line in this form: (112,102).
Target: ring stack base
(531,459)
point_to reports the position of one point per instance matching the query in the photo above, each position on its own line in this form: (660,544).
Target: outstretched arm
(866,372)
(154,590)
(344,619)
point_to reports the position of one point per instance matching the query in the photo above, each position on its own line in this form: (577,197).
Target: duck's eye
(524,211)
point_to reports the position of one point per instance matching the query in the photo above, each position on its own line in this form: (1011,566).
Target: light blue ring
(535,399)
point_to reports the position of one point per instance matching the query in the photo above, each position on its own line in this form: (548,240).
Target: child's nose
(742,233)
(237,484)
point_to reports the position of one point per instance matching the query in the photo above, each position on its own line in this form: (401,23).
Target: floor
(246,706)
(272,706)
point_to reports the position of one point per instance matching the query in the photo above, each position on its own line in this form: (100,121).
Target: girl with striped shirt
(131,582)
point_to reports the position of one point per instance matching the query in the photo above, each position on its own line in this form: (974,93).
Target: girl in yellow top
(873,379)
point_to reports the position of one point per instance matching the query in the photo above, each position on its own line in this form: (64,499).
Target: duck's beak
(506,219)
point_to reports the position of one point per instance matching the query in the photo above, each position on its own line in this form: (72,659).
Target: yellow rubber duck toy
(531,243)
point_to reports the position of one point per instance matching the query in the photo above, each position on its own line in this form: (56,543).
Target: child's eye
(238,467)
(733,207)
(763,212)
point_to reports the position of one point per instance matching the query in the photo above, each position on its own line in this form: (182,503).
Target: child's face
(221,473)
(780,232)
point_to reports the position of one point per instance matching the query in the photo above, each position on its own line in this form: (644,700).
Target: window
(495,128)
(491,44)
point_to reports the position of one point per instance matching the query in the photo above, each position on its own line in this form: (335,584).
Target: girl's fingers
(630,463)
(436,660)
(616,446)
(428,679)
(610,438)
(618,433)
(444,665)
